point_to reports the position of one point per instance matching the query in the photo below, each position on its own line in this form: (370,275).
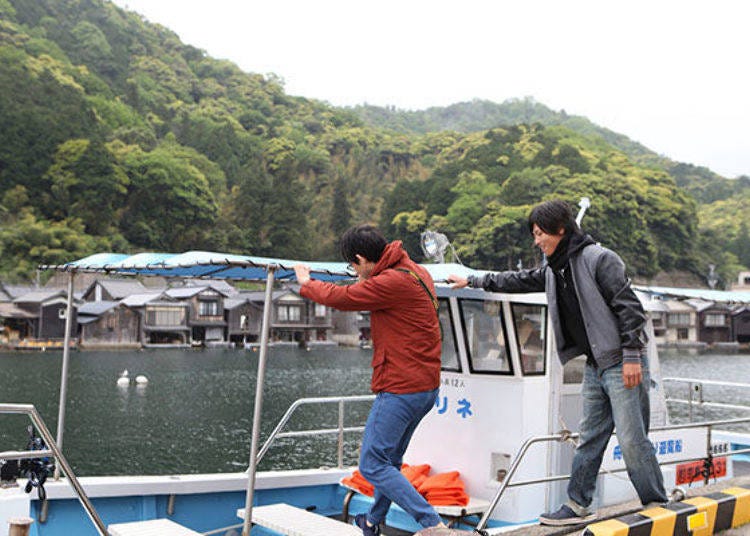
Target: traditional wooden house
(243,314)
(108,323)
(17,324)
(45,310)
(681,327)
(658,311)
(205,312)
(163,321)
(741,324)
(296,320)
(714,322)
(350,328)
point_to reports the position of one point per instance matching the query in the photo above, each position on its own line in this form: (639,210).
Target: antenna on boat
(584,203)
(434,245)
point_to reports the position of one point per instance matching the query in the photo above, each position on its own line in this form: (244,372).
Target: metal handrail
(695,386)
(566,436)
(341,400)
(36,419)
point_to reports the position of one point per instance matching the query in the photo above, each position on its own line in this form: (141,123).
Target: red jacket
(404,325)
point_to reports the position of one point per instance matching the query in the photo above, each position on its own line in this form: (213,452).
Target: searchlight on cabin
(435,244)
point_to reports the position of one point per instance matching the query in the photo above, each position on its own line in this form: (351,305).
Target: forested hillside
(117,136)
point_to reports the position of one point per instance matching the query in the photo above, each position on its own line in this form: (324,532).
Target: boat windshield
(486,338)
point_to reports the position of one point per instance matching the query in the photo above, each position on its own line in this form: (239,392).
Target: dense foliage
(117,136)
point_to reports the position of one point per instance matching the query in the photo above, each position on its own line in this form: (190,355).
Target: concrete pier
(635,506)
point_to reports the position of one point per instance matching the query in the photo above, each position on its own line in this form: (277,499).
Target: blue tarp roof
(198,264)
(206,264)
(213,265)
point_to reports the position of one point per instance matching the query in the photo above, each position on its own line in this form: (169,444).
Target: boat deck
(635,506)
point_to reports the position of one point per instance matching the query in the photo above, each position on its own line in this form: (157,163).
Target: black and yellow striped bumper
(697,516)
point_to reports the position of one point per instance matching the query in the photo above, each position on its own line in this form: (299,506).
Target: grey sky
(670,74)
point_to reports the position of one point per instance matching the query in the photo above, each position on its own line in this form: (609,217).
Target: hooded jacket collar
(393,255)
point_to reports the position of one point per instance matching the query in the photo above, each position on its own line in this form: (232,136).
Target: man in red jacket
(405,365)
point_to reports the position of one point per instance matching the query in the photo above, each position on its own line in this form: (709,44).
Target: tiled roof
(121,288)
(39,296)
(96,308)
(139,300)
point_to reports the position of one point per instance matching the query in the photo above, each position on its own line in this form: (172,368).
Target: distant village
(698,323)
(128,313)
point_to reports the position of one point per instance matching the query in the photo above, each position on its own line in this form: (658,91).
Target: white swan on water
(124,379)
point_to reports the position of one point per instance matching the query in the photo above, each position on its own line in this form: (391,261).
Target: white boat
(505,419)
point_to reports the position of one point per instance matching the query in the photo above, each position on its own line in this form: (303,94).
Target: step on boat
(505,419)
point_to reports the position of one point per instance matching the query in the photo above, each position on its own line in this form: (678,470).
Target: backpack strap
(433,299)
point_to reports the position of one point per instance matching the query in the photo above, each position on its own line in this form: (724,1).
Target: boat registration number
(687,473)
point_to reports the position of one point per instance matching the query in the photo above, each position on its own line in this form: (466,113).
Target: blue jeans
(390,425)
(608,405)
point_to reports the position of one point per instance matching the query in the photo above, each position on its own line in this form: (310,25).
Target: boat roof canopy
(212,265)
(727,296)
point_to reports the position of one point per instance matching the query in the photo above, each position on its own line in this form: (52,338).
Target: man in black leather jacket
(594,312)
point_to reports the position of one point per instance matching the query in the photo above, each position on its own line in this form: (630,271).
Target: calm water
(731,367)
(195,415)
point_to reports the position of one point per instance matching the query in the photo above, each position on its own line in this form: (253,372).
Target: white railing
(339,430)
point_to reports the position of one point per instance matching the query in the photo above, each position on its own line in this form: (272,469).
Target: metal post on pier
(64,372)
(265,329)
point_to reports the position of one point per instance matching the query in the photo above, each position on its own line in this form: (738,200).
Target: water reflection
(195,414)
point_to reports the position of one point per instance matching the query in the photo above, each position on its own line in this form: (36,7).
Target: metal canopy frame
(208,265)
(194,265)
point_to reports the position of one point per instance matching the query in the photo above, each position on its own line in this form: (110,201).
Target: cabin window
(530,321)
(449,352)
(320,310)
(485,336)
(715,320)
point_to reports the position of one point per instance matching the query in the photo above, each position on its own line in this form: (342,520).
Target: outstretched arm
(511,281)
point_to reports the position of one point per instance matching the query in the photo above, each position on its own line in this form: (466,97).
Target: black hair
(551,216)
(364,240)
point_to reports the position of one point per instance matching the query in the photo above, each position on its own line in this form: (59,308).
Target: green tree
(473,193)
(170,206)
(499,239)
(341,217)
(33,242)
(741,245)
(87,183)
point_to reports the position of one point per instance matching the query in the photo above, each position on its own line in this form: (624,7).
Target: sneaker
(360,520)
(565,516)
(657,504)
